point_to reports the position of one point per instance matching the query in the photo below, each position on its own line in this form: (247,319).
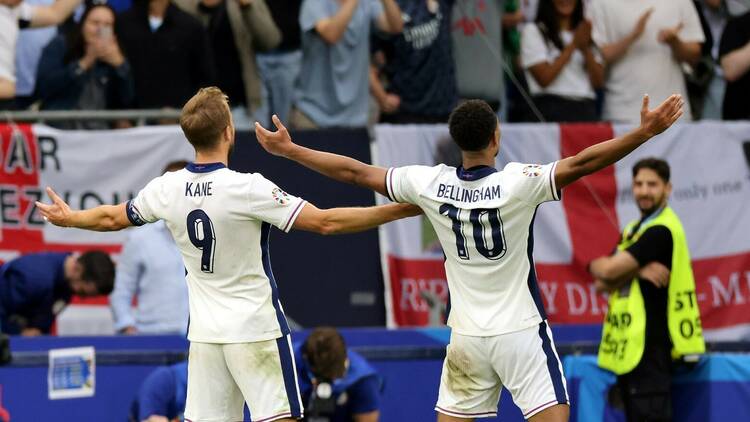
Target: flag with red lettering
(710,164)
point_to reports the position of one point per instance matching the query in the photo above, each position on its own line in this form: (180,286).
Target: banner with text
(711,193)
(86,168)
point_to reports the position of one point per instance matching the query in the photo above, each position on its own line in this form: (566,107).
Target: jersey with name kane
(220,220)
(483,219)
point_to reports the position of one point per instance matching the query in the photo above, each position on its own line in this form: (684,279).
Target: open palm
(662,117)
(276,143)
(57,213)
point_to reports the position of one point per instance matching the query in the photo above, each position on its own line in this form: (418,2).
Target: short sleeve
(376,10)
(269,203)
(532,183)
(533,47)
(144,207)
(364,396)
(400,184)
(156,394)
(310,13)
(732,38)
(692,31)
(654,245)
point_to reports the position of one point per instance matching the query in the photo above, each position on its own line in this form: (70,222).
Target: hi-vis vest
(624,330)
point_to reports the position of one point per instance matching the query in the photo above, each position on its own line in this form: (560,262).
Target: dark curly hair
(472,125)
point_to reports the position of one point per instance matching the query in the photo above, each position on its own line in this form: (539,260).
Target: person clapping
(85,69)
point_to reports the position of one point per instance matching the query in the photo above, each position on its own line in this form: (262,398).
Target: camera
(322,403)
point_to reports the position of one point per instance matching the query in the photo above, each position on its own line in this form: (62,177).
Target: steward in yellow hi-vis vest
(624,331)
(653,317)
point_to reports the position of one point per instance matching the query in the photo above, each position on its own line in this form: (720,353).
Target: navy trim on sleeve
(133,214)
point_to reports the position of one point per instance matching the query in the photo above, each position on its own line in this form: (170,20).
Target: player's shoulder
(421,171)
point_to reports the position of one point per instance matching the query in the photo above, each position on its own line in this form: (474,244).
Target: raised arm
(596,157)
(103,218)
(337,167)
(351,220)
(54,14)
(333,28)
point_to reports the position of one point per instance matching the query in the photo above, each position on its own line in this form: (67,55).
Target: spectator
(562,67)
(151,268)
(734,54)
(161,397)
(15,14)
(324,365)
(29,48)
(168,51)
(34,288)
(236,29)
(335,59)
(85,69)
(419,66)
(644,45)
(478,50)
(705,80)
(279,68)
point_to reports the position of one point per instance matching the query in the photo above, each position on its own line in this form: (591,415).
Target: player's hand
(656,121)
(57,213)
(656,273)
(278,142)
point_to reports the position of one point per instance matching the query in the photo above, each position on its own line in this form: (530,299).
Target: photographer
(336,384)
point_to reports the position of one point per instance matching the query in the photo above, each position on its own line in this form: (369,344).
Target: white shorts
(476,369)
(222,377)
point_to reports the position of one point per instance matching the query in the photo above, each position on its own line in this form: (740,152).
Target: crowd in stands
(330,63)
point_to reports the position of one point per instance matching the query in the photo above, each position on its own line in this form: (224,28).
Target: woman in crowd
(563,67)
(85,69)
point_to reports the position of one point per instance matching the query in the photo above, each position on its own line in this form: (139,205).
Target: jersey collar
(204,167)
(474,173)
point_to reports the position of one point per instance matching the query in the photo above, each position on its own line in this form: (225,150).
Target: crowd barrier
(409,361)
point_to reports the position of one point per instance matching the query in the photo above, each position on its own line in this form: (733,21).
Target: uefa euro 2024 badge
(281,197)
(72,373)
(532,170)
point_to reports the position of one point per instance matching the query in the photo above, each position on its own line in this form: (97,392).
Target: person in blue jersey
(162,395)
(337,384)
(220,219)
(500,336)
(34,288)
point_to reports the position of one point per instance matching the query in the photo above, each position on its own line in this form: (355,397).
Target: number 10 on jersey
(486,225)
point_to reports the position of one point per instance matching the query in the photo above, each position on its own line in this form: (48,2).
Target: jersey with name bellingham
(220,220)
(484,220)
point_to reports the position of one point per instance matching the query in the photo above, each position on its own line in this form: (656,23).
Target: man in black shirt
(646,389)
(168,51)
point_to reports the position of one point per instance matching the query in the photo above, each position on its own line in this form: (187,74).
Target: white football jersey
(484,220)
(221,221)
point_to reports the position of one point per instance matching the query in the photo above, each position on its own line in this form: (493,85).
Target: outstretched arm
(351,220)
(338,167)
(596,157)
(102,218)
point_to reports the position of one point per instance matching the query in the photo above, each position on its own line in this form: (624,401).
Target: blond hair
(204,117)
